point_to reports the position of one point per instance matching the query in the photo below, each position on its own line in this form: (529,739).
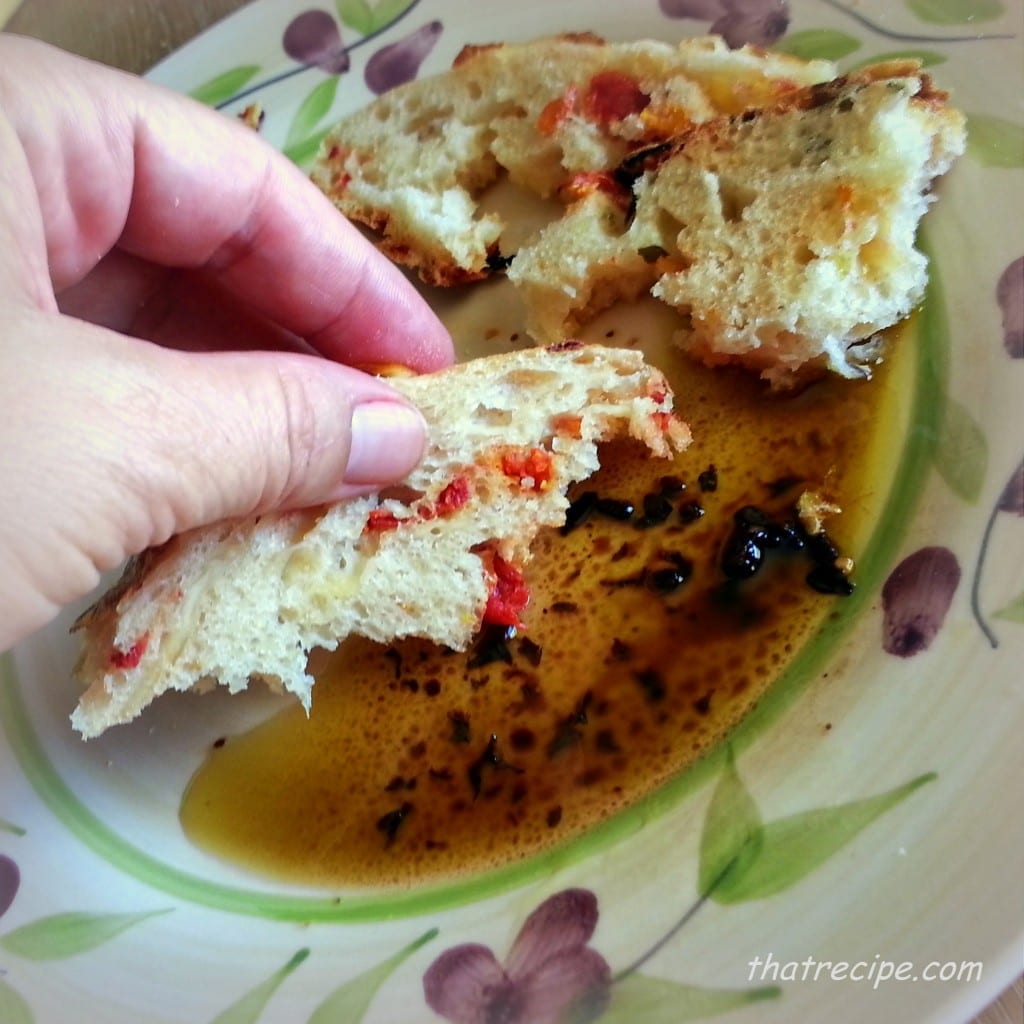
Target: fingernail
(387,442)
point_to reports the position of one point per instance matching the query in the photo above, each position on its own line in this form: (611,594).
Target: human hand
(177,302)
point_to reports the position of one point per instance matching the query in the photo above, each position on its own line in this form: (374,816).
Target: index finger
(120,162)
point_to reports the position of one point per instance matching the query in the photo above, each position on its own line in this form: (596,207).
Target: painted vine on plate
(1011,501)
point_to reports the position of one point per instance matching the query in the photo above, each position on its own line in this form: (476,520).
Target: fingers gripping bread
(432,558)
(412,165)
(785,236)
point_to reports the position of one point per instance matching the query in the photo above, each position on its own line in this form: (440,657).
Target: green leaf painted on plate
(313,109)
(13,1008)
(247,1010)
(62,935)
(956,12)
(795,846)
(349,1002)
(1014,611)
(927,58)
(961,455)
(387,11)
(225,85)
(9,826)
(995,141)
(302,153)
(357,14)
(733,834)
(819,43)
(638,997)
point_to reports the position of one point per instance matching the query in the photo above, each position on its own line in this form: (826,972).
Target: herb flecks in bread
(432,558)
(413,164)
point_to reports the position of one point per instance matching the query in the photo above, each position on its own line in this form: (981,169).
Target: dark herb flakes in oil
(390,823)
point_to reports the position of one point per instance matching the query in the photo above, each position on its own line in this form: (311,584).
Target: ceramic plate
(877,790)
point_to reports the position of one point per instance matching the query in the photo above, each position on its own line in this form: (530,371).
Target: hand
(176,304)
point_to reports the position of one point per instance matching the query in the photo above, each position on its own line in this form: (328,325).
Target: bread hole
(382,111)
(428,123)
(803,149)
(402,493)
(509,109)
(429,131)
(487,139)
(474,90)
(303,521)
(735,198)
(493,417)
(484,492)
(526,378)
(876,257)
(804,255)
(669,229)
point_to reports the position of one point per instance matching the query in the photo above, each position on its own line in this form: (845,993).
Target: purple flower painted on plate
(758,22)
(1010,296)
(313,37)
(916,598)
(400,62)
(550,975)
(10,879)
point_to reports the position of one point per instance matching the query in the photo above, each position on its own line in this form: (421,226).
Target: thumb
(241,432)
(126,443)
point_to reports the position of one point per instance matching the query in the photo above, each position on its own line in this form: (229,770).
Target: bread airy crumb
(251,598)
(785,237)
(412,165)
(770,202)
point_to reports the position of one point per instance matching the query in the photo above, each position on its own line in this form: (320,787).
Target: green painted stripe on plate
(931,376)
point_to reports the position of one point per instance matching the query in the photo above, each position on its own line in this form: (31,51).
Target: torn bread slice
(785,236)
(413,164)
(432,558)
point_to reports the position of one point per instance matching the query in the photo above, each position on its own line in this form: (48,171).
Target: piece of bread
(784,236)
(773,204)
(413,164)
(432,558)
